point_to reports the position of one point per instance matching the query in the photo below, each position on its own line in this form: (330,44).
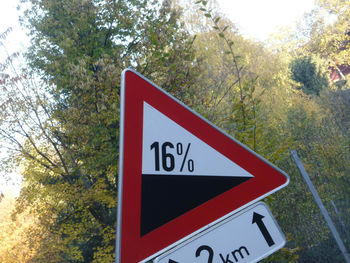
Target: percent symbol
(163,156)
(179,151)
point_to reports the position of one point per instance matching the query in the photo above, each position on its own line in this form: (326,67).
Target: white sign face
(170,149)
(248,236)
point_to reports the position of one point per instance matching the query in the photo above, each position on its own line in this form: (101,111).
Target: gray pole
(318,200)
(339,217)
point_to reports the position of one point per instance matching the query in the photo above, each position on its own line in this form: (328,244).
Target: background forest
(59,118)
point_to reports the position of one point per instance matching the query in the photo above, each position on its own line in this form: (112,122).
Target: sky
(9,18)
(15,41)
(257,19)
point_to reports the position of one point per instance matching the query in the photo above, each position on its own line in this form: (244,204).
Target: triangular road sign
(179,174)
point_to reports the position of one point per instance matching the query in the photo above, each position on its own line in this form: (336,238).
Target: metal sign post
(318,200)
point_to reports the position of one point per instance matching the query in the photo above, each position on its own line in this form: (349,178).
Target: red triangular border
(131,247)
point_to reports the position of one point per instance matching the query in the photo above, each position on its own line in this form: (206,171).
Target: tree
(64,127)
(234,89)
(60,115)
(306,72)
(336,39)
(13,233)
(326,36)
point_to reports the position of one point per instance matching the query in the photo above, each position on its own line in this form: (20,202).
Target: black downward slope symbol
(257,218)
(165,197)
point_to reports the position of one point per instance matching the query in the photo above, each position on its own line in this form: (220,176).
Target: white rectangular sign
(248,236)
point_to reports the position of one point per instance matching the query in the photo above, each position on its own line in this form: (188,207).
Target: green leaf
(221,35)
(216,20)
(203,9)
(224,28)
(204,2)
(207,15)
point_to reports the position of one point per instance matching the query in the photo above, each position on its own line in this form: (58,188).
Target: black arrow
(172,261)
(257,218)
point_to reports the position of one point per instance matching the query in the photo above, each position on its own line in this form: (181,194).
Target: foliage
(287,118)
(60,115)
(319,129)
(334,42)
(305,72)
(321,144)
(14,246)
(244,117)
(63,128)
(231,84)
